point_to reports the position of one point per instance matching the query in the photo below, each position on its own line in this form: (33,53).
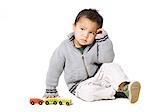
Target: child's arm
(56,67)
(105,50)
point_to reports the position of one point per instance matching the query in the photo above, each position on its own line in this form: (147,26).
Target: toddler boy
(86,57)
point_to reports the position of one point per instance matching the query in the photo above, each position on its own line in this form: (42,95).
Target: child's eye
(93,33)
(82,28)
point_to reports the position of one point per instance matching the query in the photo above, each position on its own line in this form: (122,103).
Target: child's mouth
(83,41)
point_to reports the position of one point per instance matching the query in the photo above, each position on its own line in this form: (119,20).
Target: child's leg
(105,83)
(96,88)
(120,81)
(90,91)
(115,74)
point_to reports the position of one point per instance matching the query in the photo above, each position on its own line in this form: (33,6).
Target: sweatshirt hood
(71,36)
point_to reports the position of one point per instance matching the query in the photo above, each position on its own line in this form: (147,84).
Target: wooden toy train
(53,100)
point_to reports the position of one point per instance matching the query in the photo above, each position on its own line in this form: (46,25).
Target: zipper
(85,67)
(83,60)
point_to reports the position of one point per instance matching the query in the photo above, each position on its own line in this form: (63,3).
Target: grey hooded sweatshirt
(77,67)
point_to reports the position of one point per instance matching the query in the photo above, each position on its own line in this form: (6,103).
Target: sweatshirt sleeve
(105,52)
(56,67)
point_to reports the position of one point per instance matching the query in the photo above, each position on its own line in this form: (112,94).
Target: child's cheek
(78,33)
(90,41)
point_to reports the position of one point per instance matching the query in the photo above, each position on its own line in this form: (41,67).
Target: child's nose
(85,34)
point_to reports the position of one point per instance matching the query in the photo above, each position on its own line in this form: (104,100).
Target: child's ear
(99,31)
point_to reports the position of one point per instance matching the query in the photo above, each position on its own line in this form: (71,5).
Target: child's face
(85,32)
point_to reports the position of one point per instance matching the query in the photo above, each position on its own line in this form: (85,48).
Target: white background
(30,30)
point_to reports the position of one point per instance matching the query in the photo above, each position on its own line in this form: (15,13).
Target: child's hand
(50,95)
(101,34)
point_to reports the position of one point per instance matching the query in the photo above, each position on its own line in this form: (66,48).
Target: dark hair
(91,14)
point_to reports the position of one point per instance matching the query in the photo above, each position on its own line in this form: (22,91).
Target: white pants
(103,85)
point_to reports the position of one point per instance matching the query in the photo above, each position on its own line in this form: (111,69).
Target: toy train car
(36,101)
(54,101)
